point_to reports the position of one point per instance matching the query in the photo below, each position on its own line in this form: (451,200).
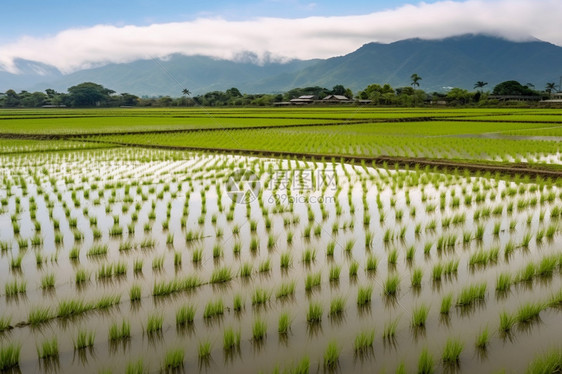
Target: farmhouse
(303,100)
(336,99)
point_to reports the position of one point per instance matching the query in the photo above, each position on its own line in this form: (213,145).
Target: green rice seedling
(72,307)
(97,250)
(105,271)
(49,349)
(230,339)
(285,289)
(246,270)
(120,332)
(353,267)
(527,274)
(5,323)
(555,299)
(503,282)
(213,309)
(372,263)
(120,268)
(419,315)
(551,362)
(364,341)
(349,245)
(177,259)
(314,314)
(217,251)
(39,315)
(173,361)
(135,293)
(48,281)
(529,312)
(389,331)
(260,296)
(446,303)
(84,339)
(334,273)
(15,288)
(427,248)
(312,281)
(390,286)
(392,257)
(9,357)
(284,324)
(547,266)
(264,266)
(15,262)
(36,241)
(526,240)
(259,330)
(154,323)
(106,302)
(81,276)
(332,355)
(254,244)
(286,260)
(309,255)
(425,362)
(337,305)
(437,272)
(237,303)
(136,367)
(410,252)
(290,235)
(364,295)
(452,351)
(417,276)
(138,265)
(471,294)
(506,322)
(197,255)
(221,275)
(158,262)
(483,339)
(185,315)
(551,231)
(39,259)
(368,239)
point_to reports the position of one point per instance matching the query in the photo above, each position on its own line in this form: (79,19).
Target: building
(336,99)
(303,100)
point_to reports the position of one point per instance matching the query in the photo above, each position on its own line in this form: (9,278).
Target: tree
(338,90)
(513,88)
(550,86)
(186,92)
(480,84)
(415,80)
(89,94)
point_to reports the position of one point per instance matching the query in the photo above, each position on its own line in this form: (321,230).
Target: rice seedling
(217,251)
(246,270)
(221,275)
(9,357)
(483,339)
(285,289)
(446,303)
(154,323)
(314,314)
(185,315)
(39,315)
(284,324)
(72,307)
(138,265)
(49,349)
(135,293)
(471,294)
(97,250)
(364,295)
(309,255)
(353,267)
(546,266)
(264,266)
(120,332)
(286,260)
(416,278)
(551,362)
(197,255)
(419,315)
(84,339)
(312,281)
(231,339)
(372,263)
(527,273)
(390,286)
(425,362)
(15,262)
(364,341)
(5,323)
(389,331)
(173,360)
(259,330)
(452,351)
(506,322)
(337,305)
(503,282)
(529,312)
(334,273)
(332,355)
(213,309)
(260,296)
(15,288)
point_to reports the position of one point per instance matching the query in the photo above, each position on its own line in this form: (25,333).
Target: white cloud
(281,39)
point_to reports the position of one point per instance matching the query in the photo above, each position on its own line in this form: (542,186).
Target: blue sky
(79,34)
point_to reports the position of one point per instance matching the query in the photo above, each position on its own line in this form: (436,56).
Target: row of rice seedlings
(164,288)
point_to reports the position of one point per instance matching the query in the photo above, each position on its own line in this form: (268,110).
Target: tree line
(90,94)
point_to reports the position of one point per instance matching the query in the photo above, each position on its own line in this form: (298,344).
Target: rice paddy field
(119,253)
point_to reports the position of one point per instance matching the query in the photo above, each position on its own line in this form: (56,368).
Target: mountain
(450,62)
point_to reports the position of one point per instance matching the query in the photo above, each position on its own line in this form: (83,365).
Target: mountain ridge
(457,61)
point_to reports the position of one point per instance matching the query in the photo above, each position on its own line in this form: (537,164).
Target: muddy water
(174,178)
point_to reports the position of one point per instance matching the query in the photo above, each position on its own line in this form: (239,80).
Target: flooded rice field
(145,261)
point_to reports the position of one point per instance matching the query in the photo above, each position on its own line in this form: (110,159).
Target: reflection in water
(314,329)
(82,355)
(50,365)
(419,332)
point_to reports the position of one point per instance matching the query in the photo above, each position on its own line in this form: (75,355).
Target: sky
(77,34)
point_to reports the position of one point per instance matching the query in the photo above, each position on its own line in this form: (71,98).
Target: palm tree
(551,86)
(186,92)
(415,79)
(480,84)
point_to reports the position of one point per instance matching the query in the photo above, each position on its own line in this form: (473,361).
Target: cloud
(282,39)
